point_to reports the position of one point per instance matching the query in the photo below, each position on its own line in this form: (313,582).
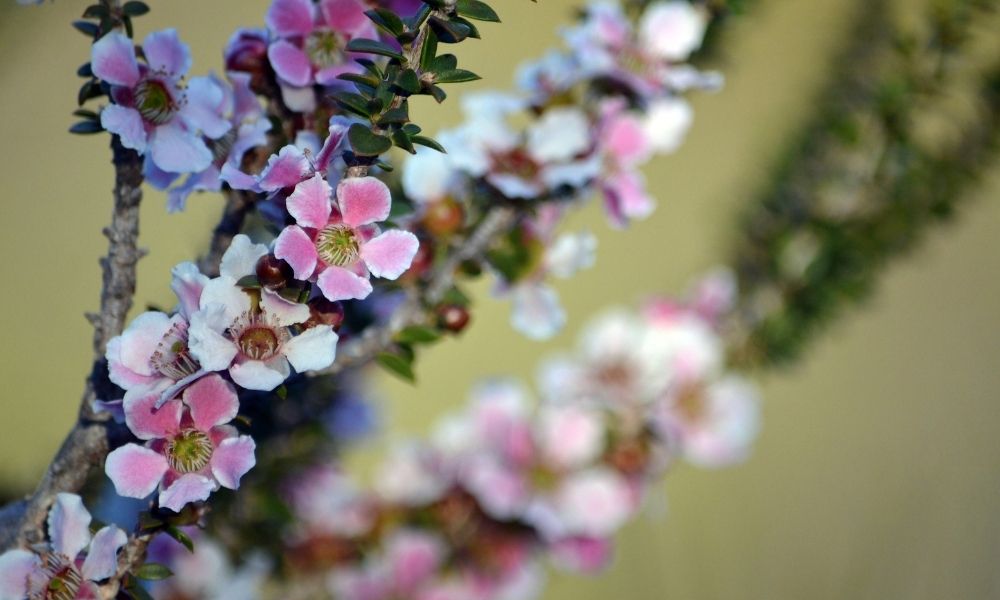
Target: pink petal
(340,284)
(363,200)
(289,18)
(187,282)
(146,422)
(582,554)
(232,459)
(140,340)
(413,557)
(390,254)
(625,140)
(310,202)
(112,58)
(346,16)
(283,312)
(338,129)
(260,375)
(175,149)
(69,525)
(121,375)
(206,107)
(187,489)
(290,63)
(296,248)
(313,349)
(127,124)
(212,401)
(16,567)
(166,53)
(135,471)
(102,557)
(238,180)
(285,169)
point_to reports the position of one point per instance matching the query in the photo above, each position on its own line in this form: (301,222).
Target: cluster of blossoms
(508,482)
(632,77)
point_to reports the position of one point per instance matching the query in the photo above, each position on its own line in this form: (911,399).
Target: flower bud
(453,317)
(444,217)
(326,312)
(272,272)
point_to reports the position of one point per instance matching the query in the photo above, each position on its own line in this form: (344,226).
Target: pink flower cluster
(508,482)
(70,564)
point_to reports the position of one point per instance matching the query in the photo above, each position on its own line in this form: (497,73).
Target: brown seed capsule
(273,273)
(453,317)
(326,312)
(444,217)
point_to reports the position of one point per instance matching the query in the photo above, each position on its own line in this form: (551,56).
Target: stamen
(64,580)
(172,358)
(337,245)
(256,336)
(154,101)
(189,451)
(325,49)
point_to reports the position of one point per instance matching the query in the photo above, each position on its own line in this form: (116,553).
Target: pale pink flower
(191,450)
(70,564)
(672,30)
(339,246)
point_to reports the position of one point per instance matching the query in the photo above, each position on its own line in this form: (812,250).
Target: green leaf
(281,392)
(365,83)
(86,128)
(397,365)
(412,129)
(402,140)
(398,115)
(374,47)
(88,90)
(418,334)
(365,142)
(438,93)
(355,103)
(455,76)
(152,572)
(148,522)
(127,22)
(387,20)
(249,282)
(137,592)
(474,9)
(85,70)
(450,31)
(408,82)
(87,28)
(445,62)
(428,51)
(181,537)
(429,142)
(473,30)
(370,66)
(95,11)
(86,114)
(134,8)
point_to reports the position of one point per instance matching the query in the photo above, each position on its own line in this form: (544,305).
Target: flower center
(172,358)
(154,102)
(517,162)
(64,580)
(258,342)
(325,49)
(221,147)
(337,245)
(189,451)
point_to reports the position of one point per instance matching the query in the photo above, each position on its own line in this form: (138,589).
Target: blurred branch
(234,214)
(886,156)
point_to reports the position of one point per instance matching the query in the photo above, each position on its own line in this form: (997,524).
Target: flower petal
(241,257)
(313,349)
(536,311)
(346,16)
(338,129)
(187,489)
(175,149)
(206,107)
(296,248)
(147,422)
(165,52)
(69,525)
(213,350)
(289,18)
(285,169)
(260,375)
(290,63)
(341,284)
(187,282)
(232,459)
(127,124)
(16,567)
(281,311)
(363,200)
(112,58)
(310,202)
(212,401)
(390,254)
(140,340)
(134,470)
(102,557)
(119,374)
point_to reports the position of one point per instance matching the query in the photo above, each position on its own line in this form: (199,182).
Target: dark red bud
(326,312)
(453,317)
(273,273)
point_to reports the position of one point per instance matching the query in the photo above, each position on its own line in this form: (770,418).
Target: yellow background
(876,475)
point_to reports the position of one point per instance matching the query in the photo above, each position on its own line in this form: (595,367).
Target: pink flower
(70,564)
(309,41)
(190,450)
(252,336)
(151,112)
(672,30)
(154,347)
(338,246)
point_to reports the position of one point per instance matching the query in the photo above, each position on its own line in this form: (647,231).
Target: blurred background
(877,474)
